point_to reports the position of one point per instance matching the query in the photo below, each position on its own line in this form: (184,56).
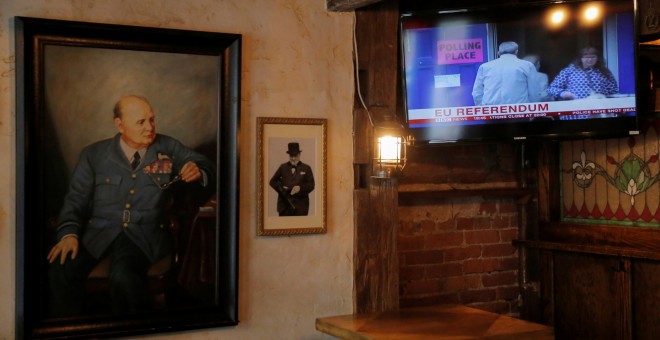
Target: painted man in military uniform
(293,182)
(115,206)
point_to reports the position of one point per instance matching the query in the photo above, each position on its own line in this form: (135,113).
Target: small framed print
(292,158)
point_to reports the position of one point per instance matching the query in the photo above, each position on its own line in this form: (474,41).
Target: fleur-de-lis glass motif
(583,171)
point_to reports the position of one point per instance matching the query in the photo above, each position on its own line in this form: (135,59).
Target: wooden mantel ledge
(607,250)
(417,187)
(410,195)
(432,322)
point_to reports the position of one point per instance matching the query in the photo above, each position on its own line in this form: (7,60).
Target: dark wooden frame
(32,36)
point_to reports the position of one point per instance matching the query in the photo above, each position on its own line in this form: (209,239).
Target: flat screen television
(448,99)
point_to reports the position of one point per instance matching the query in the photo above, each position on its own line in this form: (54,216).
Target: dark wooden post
(375,199)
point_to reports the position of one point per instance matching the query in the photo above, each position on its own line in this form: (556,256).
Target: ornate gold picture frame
(291,199)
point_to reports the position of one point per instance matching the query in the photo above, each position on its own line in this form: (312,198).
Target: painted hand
(190,172)
(68,244)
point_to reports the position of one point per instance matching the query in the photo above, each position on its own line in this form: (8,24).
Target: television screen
(542,69)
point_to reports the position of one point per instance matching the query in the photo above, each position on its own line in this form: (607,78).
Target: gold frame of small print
(273,136)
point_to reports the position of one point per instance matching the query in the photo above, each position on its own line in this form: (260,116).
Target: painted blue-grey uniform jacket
(107,197)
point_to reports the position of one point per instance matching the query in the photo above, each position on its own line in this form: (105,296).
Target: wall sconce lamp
(389,151)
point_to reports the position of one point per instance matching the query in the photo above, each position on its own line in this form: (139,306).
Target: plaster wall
(297,62)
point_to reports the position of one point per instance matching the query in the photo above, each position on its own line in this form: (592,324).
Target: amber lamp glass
(390,155)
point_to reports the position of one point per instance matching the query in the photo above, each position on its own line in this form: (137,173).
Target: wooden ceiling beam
(347,5)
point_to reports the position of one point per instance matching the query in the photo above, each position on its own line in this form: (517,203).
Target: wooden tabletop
(433,322)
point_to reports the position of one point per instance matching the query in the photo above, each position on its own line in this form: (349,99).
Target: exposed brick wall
(459,252)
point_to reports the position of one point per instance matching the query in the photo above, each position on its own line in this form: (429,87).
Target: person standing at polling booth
(538,79)
(505,80)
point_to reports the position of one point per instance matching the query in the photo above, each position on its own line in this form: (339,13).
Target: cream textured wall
(297,62)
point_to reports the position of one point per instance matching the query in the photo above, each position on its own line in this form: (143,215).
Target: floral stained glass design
(613,181)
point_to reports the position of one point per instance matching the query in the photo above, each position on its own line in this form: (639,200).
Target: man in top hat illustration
(293,182)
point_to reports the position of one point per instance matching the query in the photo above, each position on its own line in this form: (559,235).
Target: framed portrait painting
(127,179)
(291,154)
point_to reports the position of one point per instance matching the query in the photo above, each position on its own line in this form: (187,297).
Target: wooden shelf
(432,322)
(589,249)
(412,197)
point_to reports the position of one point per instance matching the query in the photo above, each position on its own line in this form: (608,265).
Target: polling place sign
(462,51)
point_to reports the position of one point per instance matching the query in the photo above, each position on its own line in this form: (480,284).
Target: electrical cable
(357,70)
